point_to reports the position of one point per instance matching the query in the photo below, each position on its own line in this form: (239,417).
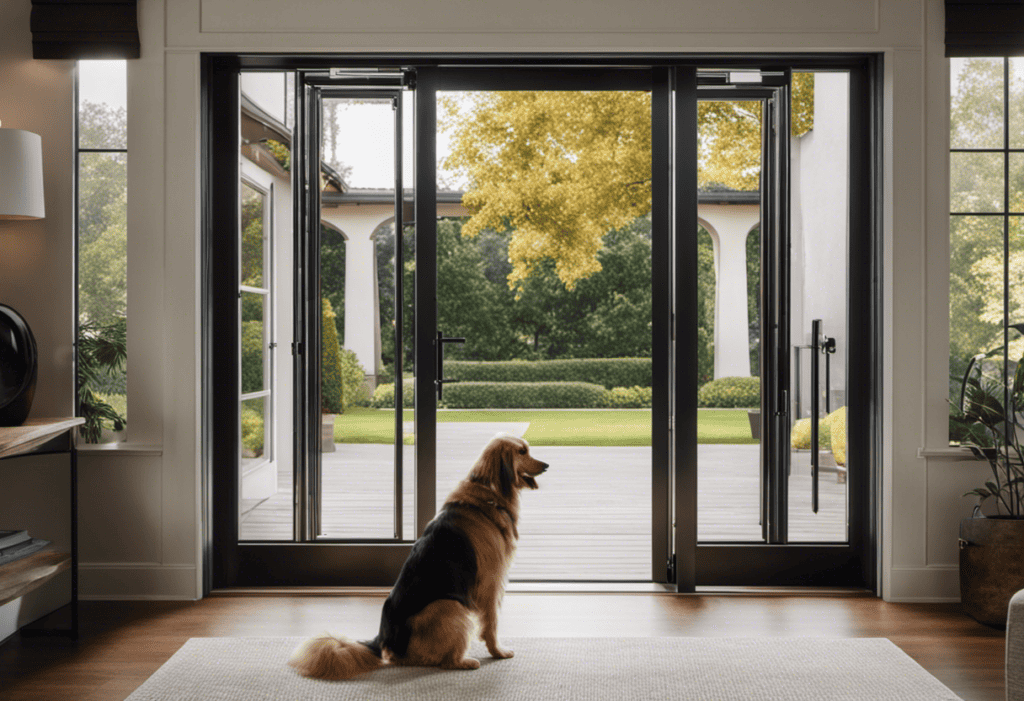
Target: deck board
(591,517)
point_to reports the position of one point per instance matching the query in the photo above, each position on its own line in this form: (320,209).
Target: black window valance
(82,29)
(984,27)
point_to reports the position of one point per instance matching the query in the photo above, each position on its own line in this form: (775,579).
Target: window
(101,186)
(986,222)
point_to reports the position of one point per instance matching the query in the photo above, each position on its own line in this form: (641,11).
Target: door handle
(439,355)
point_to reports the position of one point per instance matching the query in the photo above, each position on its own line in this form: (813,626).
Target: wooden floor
(591,517)
(123,643)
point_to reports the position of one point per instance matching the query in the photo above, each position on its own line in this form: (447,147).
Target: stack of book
(15,545)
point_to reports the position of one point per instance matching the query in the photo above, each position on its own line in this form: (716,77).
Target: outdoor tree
(102,217)
(559,170)
(976,242)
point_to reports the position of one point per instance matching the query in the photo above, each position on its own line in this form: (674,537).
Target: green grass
(599,428)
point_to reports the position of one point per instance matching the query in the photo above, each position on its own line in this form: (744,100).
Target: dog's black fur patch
(442,565)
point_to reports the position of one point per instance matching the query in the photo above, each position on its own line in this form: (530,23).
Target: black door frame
(227,563)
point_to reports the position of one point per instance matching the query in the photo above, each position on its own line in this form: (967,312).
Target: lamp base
(19,364)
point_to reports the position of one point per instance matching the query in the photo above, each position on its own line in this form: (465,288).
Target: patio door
(407,291)
(512,337)
(792,255)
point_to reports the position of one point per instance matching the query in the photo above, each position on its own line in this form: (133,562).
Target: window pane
(102,104)
(102,237)
(976,103)
(102,289)
(1015,314)
(975,293)
(1017,182)
(976,182)
(254,234)
(254,344)
(1017,103)
(254,428)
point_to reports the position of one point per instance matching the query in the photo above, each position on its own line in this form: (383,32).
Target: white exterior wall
(141,506)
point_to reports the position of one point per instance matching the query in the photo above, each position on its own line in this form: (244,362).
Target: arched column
(729,225)
(362,301)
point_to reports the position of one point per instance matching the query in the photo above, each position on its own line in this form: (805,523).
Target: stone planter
(326,433)
(754,416)
(991,567)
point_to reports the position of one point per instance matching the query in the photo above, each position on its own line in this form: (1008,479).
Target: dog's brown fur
(484,507)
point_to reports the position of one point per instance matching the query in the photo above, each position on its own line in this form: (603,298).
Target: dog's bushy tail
(331,657)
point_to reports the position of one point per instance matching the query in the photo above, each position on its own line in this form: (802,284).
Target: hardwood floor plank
(123,643)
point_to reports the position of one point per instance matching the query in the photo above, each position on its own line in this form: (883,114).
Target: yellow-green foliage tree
(332,386)
(562,169)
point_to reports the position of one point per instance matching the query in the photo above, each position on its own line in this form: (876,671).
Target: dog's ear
(506,471)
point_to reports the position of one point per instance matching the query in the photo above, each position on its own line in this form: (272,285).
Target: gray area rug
(623,669)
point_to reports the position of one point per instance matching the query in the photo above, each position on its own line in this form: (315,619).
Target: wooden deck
(591,517)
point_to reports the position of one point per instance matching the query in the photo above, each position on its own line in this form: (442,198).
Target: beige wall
(35,278)
(149,490)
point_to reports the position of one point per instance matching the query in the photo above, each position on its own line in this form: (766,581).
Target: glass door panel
(818,501)
(359,487)
(730,476)
(265,308)
(544,315)
(257,477)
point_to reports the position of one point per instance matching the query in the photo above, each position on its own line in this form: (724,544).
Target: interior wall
(36,280)
(155,485)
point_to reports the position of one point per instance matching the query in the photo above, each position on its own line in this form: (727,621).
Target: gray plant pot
(991,567)
(327,433)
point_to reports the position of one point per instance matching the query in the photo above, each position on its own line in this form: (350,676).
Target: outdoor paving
(591,517)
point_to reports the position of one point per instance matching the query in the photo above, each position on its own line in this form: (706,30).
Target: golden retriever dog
(453,579)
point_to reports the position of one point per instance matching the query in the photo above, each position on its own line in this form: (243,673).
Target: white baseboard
(128,581)
(934,584)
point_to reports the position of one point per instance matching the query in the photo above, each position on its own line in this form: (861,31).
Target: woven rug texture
(623,669)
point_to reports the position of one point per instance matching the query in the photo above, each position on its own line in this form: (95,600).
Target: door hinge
(296,347)
(671,569)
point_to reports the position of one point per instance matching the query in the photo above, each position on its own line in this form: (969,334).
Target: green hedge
(628,398)
(384,395)
(607,372)
(523,395)
(730,392)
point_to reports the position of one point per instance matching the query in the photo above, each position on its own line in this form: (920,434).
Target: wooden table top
(16,440)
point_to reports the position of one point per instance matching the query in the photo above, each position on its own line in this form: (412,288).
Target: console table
(43,437)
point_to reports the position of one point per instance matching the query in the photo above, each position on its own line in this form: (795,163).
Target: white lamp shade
(21,175)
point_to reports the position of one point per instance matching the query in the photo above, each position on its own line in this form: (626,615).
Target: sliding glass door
(616,262)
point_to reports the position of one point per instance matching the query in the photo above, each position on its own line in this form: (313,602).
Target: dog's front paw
(500,653)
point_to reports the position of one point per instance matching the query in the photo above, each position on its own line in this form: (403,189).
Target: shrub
(332,387)
(353,380)
(252,432)
(730,393)
(252,356)
(800,435)
(523,395)
(836,422)
(628,398)
(384,395)
(607,372)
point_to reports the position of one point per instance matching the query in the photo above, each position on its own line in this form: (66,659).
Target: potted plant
(102,352)
(992,540)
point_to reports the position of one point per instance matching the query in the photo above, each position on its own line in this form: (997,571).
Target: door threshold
(564,587)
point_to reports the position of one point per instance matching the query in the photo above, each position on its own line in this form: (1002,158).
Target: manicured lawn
(605,427)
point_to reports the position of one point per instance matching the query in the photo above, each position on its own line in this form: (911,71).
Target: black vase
(19,363)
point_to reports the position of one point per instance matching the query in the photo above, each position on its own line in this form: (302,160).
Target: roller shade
(984,27)
(83,29)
